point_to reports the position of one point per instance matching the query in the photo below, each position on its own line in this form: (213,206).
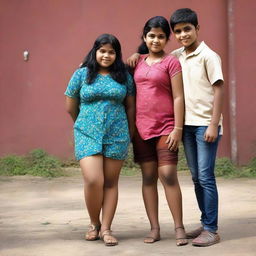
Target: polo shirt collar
(201,46)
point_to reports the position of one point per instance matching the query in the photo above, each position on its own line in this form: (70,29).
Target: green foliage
(13,165)
(70,162)
(129,162)
(182,163)
(130,171)
(36,163)
(130,168)
(39,163)
(224,167)
(249,170)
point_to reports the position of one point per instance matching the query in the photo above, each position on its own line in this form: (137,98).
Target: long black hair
(155,22)
(117,69)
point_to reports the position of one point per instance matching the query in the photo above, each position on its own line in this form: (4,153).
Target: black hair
(155,22)
(183,15)
(117,70)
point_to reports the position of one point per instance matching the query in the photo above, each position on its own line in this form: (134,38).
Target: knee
(149,179)
(169,179)
(110,183)
(207,181)
(93,183)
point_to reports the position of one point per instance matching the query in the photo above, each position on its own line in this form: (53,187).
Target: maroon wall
(244,77)
(57,35)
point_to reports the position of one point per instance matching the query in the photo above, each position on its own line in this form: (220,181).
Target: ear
(197,27)
(144,39)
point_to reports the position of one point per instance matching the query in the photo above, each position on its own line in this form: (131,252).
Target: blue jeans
(201,157)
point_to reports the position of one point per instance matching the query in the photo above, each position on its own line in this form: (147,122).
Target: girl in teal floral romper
(100,100)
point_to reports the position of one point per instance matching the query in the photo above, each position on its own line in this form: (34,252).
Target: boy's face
(186,34)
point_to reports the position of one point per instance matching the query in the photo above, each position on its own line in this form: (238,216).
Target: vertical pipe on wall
(232,79)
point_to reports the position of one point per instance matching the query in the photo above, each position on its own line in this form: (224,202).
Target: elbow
(69,110)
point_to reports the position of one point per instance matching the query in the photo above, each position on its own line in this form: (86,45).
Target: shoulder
(177,52)
(171,59)
(171,62)
(80,71)
(208,53)
(83,70)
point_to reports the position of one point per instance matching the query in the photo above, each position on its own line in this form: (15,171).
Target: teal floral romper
(101,126)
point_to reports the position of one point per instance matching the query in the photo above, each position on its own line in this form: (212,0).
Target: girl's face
(155,40)
(105,56)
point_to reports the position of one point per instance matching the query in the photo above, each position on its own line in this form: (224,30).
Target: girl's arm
(178,99)
(211,132)
(72,107)
(130,111)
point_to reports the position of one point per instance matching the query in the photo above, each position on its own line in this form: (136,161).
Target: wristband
(178,128)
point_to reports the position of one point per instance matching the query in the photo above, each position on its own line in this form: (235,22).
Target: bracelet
(178,128)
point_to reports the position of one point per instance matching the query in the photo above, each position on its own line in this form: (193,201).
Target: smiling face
(155,40)
(105,56)
(186,34)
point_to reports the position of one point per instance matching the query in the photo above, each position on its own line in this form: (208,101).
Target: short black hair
(183,15)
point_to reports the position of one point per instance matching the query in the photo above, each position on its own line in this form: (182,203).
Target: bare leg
(112,170)
(169,179)
(92,169)
(150,197)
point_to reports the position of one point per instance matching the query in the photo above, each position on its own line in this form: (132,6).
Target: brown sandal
(151,238)
(93,233)
(180,241)
(108,238)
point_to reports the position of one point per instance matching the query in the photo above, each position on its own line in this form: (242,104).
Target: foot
(92,233)
(206,238)
(181,238)
(153,236)
(108,238)
(194,233)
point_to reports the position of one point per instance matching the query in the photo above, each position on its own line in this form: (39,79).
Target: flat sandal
(93,232)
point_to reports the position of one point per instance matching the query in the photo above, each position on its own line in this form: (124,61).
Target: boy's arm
(211,132)
(132,61)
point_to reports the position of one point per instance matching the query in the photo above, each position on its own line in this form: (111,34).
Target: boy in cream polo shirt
(203,90)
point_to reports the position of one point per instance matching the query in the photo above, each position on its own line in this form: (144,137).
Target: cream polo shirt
(200,70)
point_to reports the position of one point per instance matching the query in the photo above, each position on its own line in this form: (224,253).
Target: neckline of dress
(103,75)
(154,63)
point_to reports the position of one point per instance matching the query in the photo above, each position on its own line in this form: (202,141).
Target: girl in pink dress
(159,121)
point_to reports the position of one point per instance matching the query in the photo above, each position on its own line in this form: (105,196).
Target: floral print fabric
(101,126)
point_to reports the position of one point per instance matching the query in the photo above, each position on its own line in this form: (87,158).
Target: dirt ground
(47,217)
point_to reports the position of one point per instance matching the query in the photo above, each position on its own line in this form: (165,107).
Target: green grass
(36,163)
(223,167)
(39,163)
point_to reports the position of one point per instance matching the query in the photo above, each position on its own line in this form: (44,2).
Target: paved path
(42,217)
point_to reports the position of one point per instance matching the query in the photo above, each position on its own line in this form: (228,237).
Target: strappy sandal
(108,238)
(93,232)
(150,239)
(180,241)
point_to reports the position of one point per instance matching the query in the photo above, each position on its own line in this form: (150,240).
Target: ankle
(155,228)
(179,227)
